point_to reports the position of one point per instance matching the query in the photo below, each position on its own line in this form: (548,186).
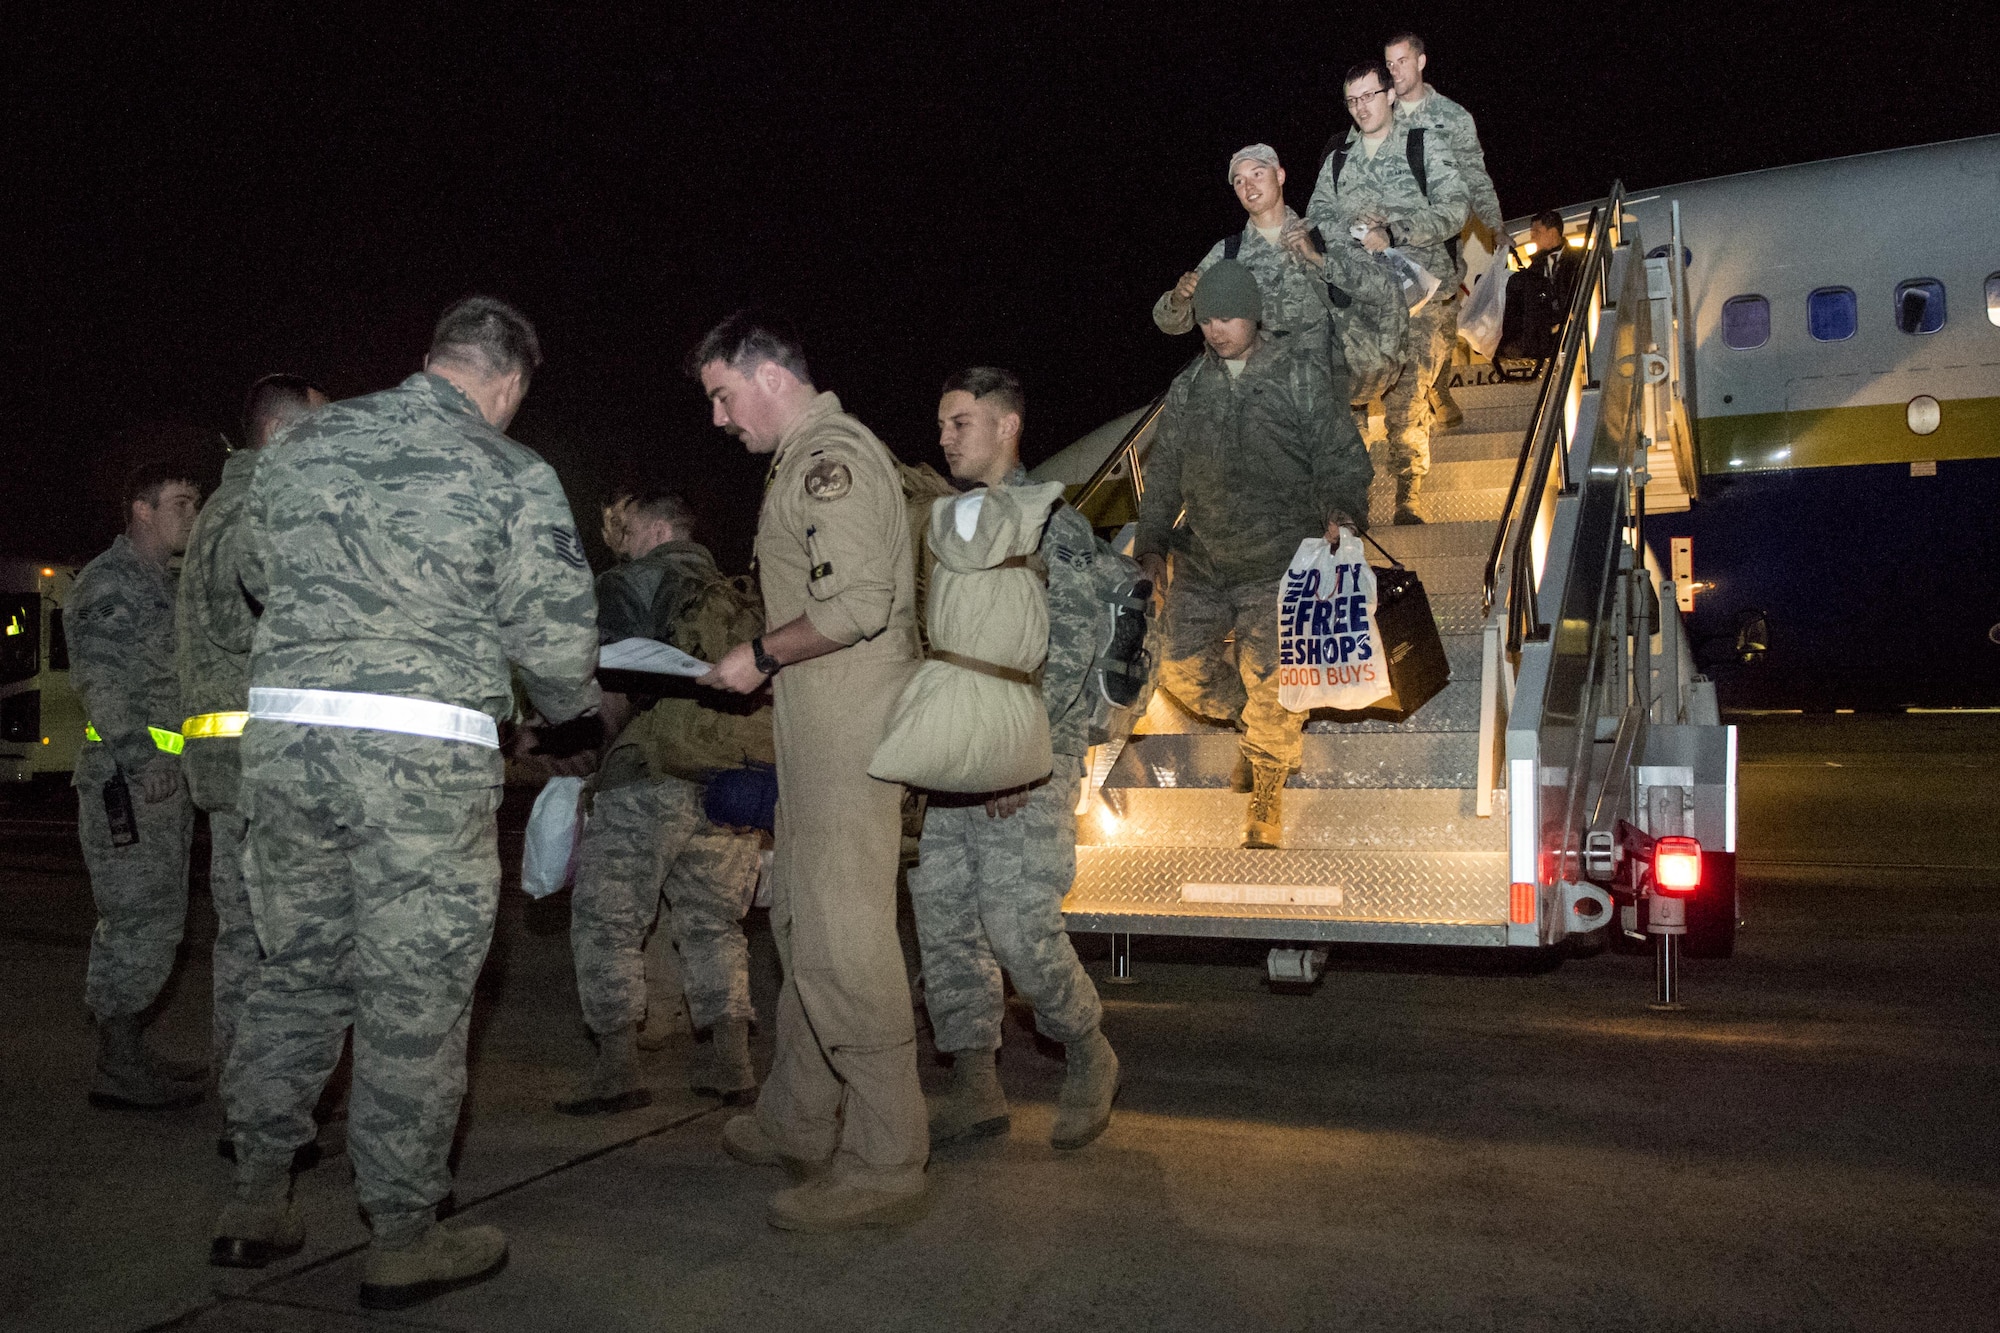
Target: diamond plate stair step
(1500,394)
(1449,507)
(1196,759)
(1455,612)
(1476,448)
(1423,541)
(1453,708)
(1139,889)
(1486,420)
(1356,818)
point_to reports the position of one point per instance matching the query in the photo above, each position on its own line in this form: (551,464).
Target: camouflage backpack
(700,732)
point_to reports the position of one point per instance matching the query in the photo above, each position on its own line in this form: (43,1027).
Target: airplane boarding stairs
(1382,839)
(1518,806)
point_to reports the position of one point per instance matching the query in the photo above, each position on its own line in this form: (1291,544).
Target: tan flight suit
(833,545)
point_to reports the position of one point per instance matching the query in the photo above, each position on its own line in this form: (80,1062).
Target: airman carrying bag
(972,718)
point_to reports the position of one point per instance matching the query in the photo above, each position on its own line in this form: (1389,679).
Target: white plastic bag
(1479,322)
(1329,649)
(555,828)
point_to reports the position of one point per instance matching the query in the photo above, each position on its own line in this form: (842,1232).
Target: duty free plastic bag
(1329,649)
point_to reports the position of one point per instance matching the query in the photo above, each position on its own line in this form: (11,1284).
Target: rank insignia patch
(828,479)
(569,548)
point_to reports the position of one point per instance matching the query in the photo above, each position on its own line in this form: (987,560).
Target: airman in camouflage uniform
(1255,453)
(406,554)
(1419,104)
(992,871)
(1377,188)
(120,626)
(1303,288)
(215,687)
(647,837)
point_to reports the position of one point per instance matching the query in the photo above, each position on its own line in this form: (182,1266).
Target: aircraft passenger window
(1746,322)
(1830,314)
(1920,305)
(1993,298)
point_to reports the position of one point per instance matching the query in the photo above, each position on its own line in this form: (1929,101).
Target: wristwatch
(766,663)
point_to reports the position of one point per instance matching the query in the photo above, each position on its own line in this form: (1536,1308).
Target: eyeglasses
(1362,100)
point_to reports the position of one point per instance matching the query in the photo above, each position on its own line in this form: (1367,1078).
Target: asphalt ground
(1428,1140)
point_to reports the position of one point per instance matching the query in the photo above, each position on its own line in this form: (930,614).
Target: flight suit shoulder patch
(828,479)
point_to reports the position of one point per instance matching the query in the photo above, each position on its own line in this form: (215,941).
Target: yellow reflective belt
(214,724)
(170,741)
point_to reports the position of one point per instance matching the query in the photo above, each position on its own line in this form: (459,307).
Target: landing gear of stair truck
(1295,971)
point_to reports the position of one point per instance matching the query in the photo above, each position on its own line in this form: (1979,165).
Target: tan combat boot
(613,1082)
(1083,1108)
(973,1107)
(745,1140)
(829,1203)
(721,1065)
(440,1259)
(1408,492)
(128,1078)
(1264,826)
(258,1225)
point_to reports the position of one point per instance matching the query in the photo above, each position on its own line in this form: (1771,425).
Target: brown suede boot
(613,1082)
(1408,493)
(721,1065)
(441,1259)
(1090,1085)
(973,1107)
(1264,826)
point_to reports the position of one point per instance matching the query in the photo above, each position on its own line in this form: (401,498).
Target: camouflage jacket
(1451,122)
(1294,295)
(675,593)
(1258,462)
(1069,551)
(120,624)
(1420,226)
(400,545)
(213,617)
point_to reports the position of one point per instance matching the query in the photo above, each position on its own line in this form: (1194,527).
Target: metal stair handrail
(1544,446)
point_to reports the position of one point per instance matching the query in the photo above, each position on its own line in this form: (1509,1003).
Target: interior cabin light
(1677,865)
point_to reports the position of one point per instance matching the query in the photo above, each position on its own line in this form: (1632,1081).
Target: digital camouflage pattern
(119,621)
(988,894)
(644,840)
(1446,119)
(1407,411)
(1203,610)
(215,621)
(374,903)
(1076,623)
(1354,293)
(1420,226)
(398,545)
(1258,462)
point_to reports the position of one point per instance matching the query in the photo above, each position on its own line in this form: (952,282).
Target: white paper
(650,655)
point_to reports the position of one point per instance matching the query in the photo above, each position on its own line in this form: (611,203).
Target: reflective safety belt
(375,712)
(170,741)
(214,724)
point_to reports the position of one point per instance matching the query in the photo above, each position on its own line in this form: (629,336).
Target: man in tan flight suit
(841,1109)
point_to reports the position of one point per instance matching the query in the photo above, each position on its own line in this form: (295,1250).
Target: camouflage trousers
(374,903)
(211,766)
(646,839)
(1406,407)
(1195,667)
(988,896)
(141,890)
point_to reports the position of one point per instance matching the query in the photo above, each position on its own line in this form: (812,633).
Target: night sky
(198,201)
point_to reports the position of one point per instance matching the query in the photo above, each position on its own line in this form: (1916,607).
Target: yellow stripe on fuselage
(1847,437)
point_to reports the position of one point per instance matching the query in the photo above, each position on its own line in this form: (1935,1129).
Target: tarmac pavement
(1429,1140)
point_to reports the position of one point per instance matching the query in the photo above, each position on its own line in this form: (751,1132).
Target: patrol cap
(1256,152)
(1227,291)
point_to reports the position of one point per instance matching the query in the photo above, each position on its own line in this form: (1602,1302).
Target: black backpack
(1413,148)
